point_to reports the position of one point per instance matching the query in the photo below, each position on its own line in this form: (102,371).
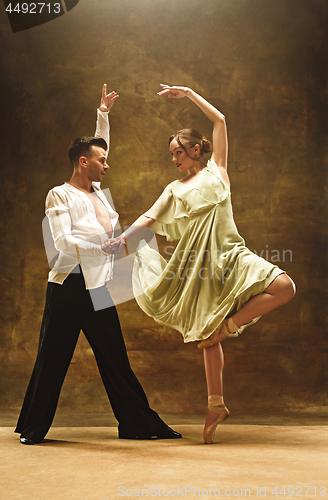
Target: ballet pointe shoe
(227,327)
(223,413)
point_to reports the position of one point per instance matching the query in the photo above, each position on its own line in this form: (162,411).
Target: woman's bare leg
(214,363)
(280,291)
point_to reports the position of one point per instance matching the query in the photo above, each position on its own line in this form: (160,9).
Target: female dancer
(213,286)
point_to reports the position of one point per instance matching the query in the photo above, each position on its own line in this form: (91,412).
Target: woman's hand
(116,245)
(107,100)
(177,92)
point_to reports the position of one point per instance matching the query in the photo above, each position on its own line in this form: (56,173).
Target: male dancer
(81,219)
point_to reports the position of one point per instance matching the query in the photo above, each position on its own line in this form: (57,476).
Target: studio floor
(266,459)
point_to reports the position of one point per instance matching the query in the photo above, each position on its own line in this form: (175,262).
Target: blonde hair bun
(206,147)
(190,137)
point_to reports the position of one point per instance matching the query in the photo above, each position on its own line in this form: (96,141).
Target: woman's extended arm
(118,244)
(220,139)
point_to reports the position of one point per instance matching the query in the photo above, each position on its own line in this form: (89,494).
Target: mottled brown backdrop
(263,63)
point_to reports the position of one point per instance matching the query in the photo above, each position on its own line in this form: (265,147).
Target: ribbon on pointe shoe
(223,413)
(228,327)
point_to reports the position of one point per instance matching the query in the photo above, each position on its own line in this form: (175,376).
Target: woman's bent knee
(282,288)
(288,288)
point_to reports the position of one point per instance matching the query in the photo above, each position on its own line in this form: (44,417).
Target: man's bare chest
(101,212)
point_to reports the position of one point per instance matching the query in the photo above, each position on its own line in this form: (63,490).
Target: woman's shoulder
(170,190)
(219,172)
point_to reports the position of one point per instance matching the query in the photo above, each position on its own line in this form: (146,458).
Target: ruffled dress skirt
(211,273)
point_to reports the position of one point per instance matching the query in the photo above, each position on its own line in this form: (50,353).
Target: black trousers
(68,310)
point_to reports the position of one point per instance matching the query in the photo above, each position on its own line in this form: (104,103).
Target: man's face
(96,164)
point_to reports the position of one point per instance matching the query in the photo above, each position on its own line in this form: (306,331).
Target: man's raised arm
(102,125)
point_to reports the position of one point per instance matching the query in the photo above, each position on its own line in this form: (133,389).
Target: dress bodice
(180,202)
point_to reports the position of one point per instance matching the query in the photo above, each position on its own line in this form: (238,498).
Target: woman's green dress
(211,273)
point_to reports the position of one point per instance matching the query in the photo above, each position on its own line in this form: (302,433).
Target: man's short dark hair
(82,145)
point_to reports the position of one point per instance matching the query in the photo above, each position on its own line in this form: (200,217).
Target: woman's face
(180,157)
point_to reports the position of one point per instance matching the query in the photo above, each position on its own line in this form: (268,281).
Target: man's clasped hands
(114,245)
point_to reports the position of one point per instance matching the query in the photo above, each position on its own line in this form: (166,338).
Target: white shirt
(76,233)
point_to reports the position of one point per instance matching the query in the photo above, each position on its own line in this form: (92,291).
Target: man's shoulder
(64,190)
(58,195)
(59,189)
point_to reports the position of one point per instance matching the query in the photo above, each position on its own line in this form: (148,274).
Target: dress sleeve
(170,215)
(60,222)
